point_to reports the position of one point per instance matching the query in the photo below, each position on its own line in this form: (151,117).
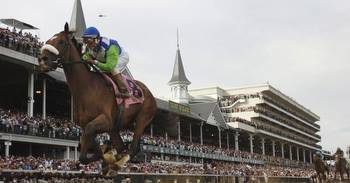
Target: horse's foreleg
(117,142)
(99,125)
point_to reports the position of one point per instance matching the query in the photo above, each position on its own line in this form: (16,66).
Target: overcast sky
(300,47)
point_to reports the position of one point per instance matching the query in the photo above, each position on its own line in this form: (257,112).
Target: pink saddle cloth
(135,91)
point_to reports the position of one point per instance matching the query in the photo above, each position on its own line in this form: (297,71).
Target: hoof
(110,156)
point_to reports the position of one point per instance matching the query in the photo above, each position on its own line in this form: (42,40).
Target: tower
(179,82)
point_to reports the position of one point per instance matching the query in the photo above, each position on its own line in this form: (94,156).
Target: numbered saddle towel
(135,91)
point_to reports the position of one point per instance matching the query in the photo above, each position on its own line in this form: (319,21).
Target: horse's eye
(61,42)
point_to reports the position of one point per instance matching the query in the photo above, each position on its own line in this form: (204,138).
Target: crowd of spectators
(20,123)
(28,164)
(46,164)
(211,149)
(280,118)
(52,177)
(227,101)
(280,105)
(218,168)
(265,126)
(20,41)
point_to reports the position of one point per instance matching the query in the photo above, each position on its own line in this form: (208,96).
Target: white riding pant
(123,60)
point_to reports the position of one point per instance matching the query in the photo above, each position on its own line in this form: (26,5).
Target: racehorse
(95,107)
(321,168)
(341,166)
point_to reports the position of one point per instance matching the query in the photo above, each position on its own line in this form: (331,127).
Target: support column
(297,153)
(201,133)
(251,138)
(30,98)
(263,146)
(290,152)
(68,152)
(7,148)
(44,99)
(227,140)
(273,148)
(71,109)
(190,132)
(166,135)
(304,156)
(219,137)
(178,131)
(282,149)
(75,153)
(236,141)
(310,156)
(151,130)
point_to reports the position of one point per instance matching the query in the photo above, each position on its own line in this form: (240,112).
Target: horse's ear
(77,44)
(66,28)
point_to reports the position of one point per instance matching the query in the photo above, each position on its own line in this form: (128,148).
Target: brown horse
(341,166)
(95,108)
(321,168)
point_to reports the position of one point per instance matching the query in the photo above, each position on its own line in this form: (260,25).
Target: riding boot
(118,80)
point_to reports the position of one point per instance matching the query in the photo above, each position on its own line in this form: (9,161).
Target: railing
(37,175)
(57,133)
(156,149)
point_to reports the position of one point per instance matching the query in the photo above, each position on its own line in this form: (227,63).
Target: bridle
(58,62)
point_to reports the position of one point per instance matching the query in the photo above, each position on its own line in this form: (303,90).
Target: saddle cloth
(135,91)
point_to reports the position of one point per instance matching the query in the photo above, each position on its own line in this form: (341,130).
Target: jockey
(339,152)
(319,154)
(107,55)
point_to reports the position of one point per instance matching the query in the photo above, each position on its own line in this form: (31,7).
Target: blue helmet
(91,32)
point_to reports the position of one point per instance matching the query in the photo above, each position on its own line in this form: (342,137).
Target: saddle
(137,96)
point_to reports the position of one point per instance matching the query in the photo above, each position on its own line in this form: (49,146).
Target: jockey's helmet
(91,32)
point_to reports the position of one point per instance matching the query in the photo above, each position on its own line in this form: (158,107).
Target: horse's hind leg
(144,117)
(140,127)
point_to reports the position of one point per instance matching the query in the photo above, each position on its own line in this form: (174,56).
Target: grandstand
(232,132)
(268,120)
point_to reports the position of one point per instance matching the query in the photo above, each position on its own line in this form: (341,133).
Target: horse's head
(56,51)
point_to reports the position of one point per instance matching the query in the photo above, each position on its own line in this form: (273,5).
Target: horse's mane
(98,73)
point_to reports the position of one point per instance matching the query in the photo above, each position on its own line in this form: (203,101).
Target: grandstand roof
(164,105)
(17,24)
(210,112)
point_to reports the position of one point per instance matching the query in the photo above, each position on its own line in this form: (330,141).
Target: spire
(77,21)
(177,38)
(178,76)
